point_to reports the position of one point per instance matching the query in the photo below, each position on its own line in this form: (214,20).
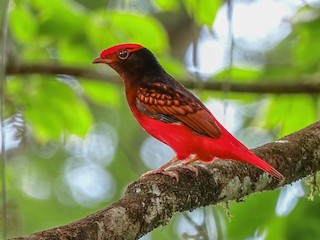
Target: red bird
(172,114)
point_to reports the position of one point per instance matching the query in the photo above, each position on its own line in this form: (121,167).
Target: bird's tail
(250,157)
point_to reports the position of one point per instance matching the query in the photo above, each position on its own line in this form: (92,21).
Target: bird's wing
(175,104)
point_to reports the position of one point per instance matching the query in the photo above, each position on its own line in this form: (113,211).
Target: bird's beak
(101,60)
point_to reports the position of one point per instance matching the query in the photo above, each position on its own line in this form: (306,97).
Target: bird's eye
(123,54)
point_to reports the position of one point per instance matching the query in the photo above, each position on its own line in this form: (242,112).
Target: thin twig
(290,86)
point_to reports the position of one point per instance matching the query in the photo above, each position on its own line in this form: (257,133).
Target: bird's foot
(203,165)
(190,168)
(185,164)
(162,171)
(167,168)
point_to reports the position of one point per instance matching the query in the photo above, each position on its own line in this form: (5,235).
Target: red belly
(183,140)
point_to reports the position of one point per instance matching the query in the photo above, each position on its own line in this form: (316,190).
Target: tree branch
(294,86)
(151,201)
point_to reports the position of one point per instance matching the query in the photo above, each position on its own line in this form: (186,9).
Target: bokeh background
(72,145)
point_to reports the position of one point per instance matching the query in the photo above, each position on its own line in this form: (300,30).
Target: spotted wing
(176,105)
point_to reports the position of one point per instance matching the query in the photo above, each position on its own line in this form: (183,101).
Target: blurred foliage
(203,11)
(55,109)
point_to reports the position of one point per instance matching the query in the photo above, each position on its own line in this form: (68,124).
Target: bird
(172,114)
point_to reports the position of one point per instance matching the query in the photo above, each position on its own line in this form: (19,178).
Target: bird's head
(129,60)
(118,53)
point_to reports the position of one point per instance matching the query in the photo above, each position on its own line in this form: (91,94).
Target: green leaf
(308,211)
(297,54)
(23,25)
(276,228)
(59,19)
(306,51)
(102,93)
(115,27)
(168,5)
(291,114)
(252,223)
(50,107)
(203,11)
(74,53)
(238,74)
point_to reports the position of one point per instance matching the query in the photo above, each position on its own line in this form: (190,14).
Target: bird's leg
(190,159)
(184,164)
(162,170)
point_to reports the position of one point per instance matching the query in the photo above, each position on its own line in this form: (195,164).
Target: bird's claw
(162,171)
(167,169)
(204,166)
(185,166)
(191,168)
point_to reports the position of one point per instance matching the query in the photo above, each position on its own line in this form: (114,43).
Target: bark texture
(151,201)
